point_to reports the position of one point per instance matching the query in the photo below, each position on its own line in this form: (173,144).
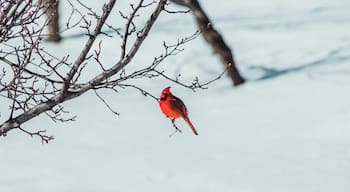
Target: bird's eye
(164,96)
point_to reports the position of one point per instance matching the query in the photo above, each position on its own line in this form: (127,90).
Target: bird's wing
(177,104)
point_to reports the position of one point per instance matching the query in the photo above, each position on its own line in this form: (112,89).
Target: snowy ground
(286,130)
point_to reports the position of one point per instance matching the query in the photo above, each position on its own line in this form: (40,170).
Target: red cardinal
(174,108)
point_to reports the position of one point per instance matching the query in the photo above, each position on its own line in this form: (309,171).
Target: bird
(174,108)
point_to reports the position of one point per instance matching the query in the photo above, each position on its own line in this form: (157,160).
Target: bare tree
(214,38)
(35,81)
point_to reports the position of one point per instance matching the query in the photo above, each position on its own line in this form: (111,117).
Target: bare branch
(104,102)
(213,37)
(195,84)
(106,10)
(68,91)
(175,126)
(129,23)
(44,138)
(143,92)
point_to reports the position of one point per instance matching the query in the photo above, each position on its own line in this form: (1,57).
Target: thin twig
(143,92)
(175,126)
(105,102)
(44,138)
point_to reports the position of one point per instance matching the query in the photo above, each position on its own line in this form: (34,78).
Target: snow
(286,129)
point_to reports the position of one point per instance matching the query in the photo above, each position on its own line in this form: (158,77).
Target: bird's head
(165,93)
(166,90)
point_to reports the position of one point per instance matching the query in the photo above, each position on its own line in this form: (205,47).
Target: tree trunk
(213,38)
(51,9)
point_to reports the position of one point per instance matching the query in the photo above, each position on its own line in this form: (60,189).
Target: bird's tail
(190,124)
